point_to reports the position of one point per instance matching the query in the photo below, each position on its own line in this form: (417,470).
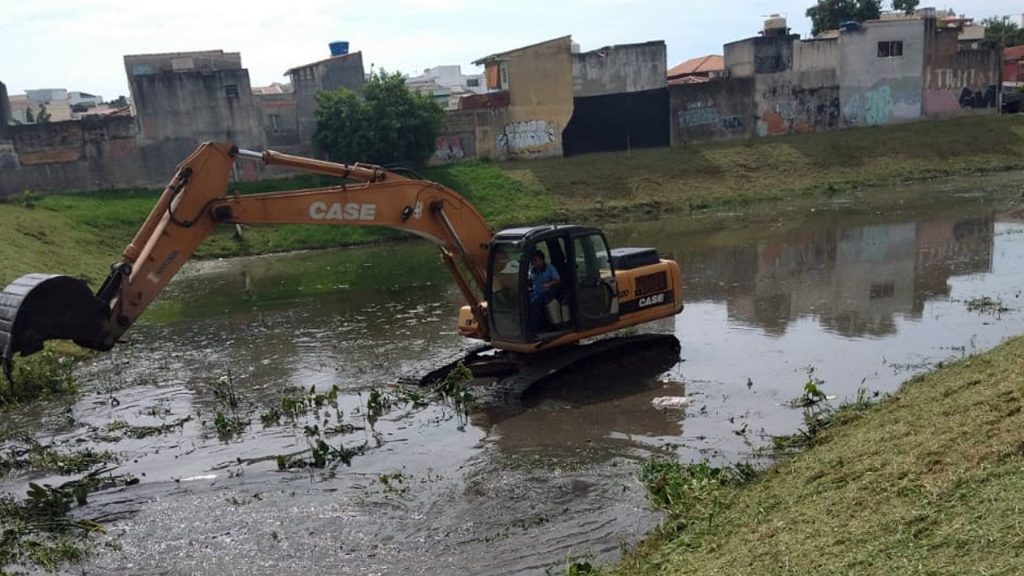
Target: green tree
(388,124)
(829,14)
(906,6)
(1003,31)
(43,115)
(119,102)
(29,117)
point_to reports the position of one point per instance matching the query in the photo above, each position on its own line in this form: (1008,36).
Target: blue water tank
(339,48)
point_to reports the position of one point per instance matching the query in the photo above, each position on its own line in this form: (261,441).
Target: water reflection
(855,279)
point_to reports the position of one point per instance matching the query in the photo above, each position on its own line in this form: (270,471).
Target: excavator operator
(544,279)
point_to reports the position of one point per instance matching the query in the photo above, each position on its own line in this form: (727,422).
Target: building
(1013,67)
(84,99)
(697,70)
(5,111)
(895,69)
(539,82)
(280,116)
(185,98)
(447,85)
(620,99)
(339,71)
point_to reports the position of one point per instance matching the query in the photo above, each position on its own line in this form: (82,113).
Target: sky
(79,45)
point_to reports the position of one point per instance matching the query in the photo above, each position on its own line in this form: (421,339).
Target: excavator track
(502,379)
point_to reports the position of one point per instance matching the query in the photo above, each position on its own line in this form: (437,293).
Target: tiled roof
(702,65)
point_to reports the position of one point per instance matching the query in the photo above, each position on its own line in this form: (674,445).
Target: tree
(1003,31)
(829,14)
(119,102)
(388,124)
(906,6)
(29,117)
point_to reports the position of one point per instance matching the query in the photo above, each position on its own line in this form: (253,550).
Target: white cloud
(50,43)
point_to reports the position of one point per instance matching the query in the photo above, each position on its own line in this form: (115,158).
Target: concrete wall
(5,110)
(280,120)
(816,55)
(739,58)
(959,82)
(881,90)
(719,108)
(614,122)
(540,100)
(197,107)
(796,102)
(205,61)
(619,69)
(470,134)
(96,152)
(339,72)
(759,55)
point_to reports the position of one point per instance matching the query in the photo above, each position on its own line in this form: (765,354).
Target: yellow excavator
(592,291)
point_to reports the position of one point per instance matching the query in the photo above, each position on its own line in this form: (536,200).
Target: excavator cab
(586,298)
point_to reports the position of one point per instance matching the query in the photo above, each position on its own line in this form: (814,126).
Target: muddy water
(863,297)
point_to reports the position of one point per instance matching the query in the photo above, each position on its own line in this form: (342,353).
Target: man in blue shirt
(543,281)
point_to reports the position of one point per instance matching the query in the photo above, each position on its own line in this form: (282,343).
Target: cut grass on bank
(929,481)
(601,187)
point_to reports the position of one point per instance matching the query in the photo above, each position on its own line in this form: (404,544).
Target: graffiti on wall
(527,138)
(786,109)
(704,114)
(951,91)
(449,149)
(882,104)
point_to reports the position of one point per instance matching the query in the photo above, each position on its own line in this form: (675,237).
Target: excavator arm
(40,307)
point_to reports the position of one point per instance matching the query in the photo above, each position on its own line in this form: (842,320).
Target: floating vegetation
(986,305)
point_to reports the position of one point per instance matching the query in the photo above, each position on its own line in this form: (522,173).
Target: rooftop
(504,55)
(696,66)
(341,57)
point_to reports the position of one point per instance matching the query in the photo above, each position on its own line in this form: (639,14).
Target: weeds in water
(818,419)
(299,405)
(813,395)
(321,456)
(40,531)
(987,305)
(692,494)
(46,373)
(31,454)
(122,429)
(226,419)
(394,483)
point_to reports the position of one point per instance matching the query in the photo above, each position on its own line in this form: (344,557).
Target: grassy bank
(738,173)
(80,234)
(929,481)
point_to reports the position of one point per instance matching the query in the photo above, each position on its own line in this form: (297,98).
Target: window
(503,72)
(231,90)
(275,121)
(890,49)
(473,83)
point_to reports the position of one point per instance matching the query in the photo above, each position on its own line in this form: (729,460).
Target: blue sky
(79,45)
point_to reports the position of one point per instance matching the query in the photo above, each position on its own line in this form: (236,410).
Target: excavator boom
(40,307)
(602,291)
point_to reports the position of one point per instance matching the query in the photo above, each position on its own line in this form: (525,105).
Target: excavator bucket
(40,307)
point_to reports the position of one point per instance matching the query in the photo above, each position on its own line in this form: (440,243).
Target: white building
(447,84)
(90,100)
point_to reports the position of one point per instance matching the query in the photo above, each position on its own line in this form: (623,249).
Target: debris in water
(666,402)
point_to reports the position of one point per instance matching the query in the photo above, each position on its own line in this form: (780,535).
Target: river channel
(859,298)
